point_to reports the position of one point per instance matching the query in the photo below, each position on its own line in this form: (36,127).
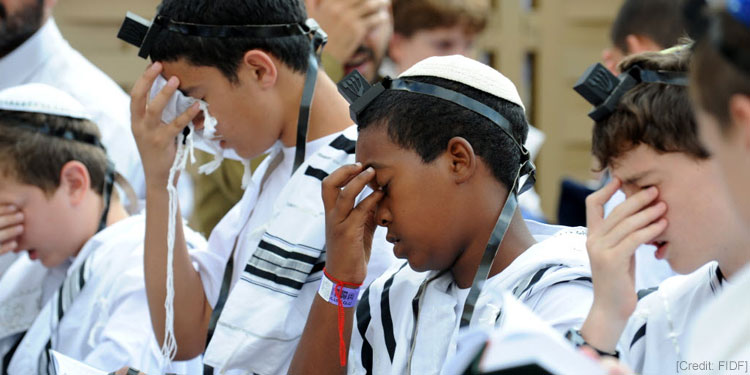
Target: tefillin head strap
(142,34)
(360,95)
(604,90)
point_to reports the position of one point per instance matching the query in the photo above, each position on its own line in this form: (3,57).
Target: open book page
(522,344)
(65,365)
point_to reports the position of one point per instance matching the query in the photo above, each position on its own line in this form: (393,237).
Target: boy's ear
(612,56)
(463,160)
(739,111)
(259,67)
(48,5)
(640,43)
(75,181)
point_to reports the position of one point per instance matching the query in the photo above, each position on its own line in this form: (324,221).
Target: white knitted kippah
(469,72)
(41,98)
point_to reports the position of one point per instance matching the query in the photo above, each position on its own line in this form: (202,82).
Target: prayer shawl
(267,308)
(385,339)
(21,293)
(6,260)
(720,332)
(104,316)
(654,339)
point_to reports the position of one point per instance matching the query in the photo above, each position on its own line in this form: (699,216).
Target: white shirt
(655,339)
(108,325)
(552,278)
(47,58)
(6,260)
(719,334)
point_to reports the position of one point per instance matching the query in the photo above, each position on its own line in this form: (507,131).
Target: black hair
(226,53)
(425,124)
(660,20)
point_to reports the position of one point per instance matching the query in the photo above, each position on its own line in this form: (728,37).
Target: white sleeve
(7,259)
(564,305)
(210,259)
(123,335)
(632,343)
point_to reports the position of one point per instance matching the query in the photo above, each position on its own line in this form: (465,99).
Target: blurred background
(542,45)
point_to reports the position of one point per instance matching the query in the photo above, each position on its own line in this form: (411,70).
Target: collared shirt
(47,58)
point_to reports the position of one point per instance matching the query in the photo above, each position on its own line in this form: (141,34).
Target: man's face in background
(19,20)
(370,53)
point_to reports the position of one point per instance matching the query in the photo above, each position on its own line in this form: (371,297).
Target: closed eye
(376,187)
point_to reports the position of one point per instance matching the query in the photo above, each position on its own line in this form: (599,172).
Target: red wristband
(341,315)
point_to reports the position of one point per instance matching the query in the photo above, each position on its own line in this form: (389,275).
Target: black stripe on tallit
(638,335)
(60,311)
(81,280)
(363,321)
(273,277)
(315,172)
(9,355)
(582,278)
(317,268)
(385,316)
(644,292)
(287,254)
(535,279)
(344,144)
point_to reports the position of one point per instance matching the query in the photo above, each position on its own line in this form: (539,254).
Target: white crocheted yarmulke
(41,98)
(469,72)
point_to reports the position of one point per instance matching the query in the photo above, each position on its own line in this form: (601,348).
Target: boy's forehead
(191,76)
(7,172)
(11,190)
(373,145)
(635,164)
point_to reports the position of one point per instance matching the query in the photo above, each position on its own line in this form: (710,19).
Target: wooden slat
(91,27)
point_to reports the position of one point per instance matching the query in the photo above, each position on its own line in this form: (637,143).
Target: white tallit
(383,338)
(267,307)
(655,338)
(107,325)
